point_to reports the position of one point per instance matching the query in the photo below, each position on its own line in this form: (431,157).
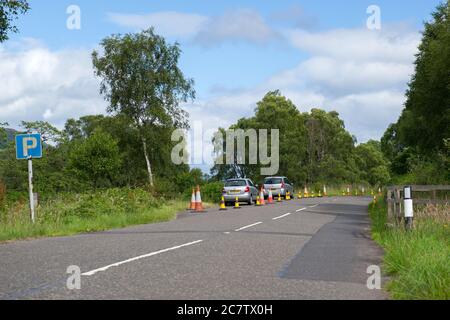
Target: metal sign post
(30,187)
(29,146)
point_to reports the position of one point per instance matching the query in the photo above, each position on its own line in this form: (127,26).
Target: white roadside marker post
(408,205)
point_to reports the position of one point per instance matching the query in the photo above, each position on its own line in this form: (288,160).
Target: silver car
(244,189)
(278,185)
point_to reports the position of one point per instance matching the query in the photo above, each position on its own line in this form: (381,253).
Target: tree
(96,159)
(142,81)
(373,166)
(9,10)
(3,134)
(416,143)
(48,132)
(424,123)
(314,147)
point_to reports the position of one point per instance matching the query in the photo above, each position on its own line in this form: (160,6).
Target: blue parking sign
(28,146)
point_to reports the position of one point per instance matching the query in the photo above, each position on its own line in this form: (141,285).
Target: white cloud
(167,23)
(388,44)
(295,16)
(241,25)
(39,84)
(359,73)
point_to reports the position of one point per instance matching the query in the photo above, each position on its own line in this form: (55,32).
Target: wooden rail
(394,198)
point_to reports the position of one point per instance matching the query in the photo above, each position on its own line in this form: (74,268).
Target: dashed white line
(279,217)
(92,272)
(250,225)
(298,210)
(313,206)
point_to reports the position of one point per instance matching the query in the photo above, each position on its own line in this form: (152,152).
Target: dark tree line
(418,144)
(314,148)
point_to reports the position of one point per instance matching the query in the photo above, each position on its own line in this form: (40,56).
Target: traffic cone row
(196,204)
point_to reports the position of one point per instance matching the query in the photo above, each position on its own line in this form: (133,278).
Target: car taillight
(247,189)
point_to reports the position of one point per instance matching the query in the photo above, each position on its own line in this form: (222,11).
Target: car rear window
(235,183)
(273,180)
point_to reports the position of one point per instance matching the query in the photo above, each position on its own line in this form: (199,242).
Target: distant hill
(10,133)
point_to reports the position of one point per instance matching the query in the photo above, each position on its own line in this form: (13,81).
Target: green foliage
(96,159)
(9,10)
(3,134)
(141,80)
(314,148)
(416,145)
(69,213)
(48,132)
(212,191)
(372,164)
(71,162)
(417,261)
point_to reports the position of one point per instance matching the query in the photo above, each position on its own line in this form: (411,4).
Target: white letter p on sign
(28,143)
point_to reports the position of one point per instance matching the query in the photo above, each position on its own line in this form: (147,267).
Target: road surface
(316,248)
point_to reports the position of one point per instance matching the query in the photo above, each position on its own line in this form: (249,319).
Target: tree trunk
(149,167)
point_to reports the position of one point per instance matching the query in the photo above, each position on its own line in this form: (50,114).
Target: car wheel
(250,202)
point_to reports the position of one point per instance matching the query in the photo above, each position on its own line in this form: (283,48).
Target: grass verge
(418,261)
(68,214)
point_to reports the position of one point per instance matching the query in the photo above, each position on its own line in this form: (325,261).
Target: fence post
(389,203)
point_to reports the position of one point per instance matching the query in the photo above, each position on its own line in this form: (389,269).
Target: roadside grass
(68,214)
(418,261)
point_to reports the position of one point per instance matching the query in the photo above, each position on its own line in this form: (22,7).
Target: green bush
(212,191)
(72,213)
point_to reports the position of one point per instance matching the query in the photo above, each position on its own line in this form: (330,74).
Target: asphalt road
(316,248)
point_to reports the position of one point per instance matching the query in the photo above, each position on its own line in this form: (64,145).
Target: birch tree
(141,79)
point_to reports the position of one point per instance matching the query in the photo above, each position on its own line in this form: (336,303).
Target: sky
(319,54)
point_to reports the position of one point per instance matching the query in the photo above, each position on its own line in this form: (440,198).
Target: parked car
(278,185)
(244,189)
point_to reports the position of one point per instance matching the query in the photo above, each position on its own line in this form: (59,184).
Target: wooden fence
(420,194)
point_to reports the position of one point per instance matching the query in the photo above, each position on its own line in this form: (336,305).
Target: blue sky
(318,53)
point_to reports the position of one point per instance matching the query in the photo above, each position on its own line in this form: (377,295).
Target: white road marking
(313,206)
(227,232)
(251,225)
(298,210)
(279,217)
(92,272)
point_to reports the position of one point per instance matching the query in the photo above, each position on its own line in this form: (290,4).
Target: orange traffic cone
(270,198)
(192,205)
(261,197)
(198,201)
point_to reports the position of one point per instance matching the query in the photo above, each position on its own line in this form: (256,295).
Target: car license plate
(235,191)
